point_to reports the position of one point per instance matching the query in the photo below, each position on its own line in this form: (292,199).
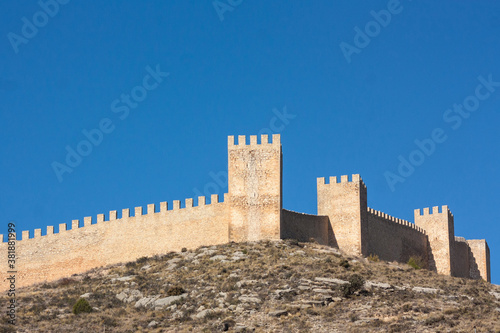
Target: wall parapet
(395,220)
(138,212)
(242,141)
(343,179)
(435,210)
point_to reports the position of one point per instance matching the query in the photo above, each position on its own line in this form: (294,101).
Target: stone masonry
(251,210)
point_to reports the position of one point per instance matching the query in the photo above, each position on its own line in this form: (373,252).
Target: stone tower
(345,204)
(255,190)
(439,227)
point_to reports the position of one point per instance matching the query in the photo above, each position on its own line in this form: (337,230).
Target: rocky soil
(278,286)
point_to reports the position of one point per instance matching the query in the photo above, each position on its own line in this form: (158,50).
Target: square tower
(255,188)
(345,204)
(439,227)
(479,258)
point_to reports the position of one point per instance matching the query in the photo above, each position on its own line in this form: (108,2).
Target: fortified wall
(251,210)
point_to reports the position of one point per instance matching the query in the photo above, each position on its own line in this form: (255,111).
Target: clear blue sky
(360,101)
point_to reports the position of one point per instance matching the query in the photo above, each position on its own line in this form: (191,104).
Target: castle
(251,210)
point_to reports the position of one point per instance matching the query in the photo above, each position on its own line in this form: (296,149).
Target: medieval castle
(251,210)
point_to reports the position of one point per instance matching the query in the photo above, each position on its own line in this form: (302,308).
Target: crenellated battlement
(242,141)
(138,212)
(435,210)
(355,178)
(395,220)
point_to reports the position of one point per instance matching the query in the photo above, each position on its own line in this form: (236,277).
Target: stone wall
(460,258)
(393,239)
(304,227)
(53,256)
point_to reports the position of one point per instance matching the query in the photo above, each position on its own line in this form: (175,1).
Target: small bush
(373,258)
(293,242)
(353,317)
(406,307)
(109,321)
(433,320)
(344,263)
(82,306)
(184,249)
(65,282)
(141,260)
(415,262)
(175,291)
(356,282)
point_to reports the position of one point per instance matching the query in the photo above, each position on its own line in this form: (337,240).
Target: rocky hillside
(281,286)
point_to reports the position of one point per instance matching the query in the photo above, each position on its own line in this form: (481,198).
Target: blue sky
(349,85)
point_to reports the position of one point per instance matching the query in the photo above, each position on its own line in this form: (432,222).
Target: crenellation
(214,198)
(176,205)
(151,209)
(252,210)
(252,141)
(242,140)
(87,221)
(138,211)
(276,139)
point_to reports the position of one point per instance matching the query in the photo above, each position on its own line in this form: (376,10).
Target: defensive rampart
(49,257)
(394,239)
(251,210)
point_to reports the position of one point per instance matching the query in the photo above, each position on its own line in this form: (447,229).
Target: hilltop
(264,286)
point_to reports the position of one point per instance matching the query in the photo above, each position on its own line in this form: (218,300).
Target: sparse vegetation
(175,291)
(373,258)
(415,262)
(344,263)
(258,286)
